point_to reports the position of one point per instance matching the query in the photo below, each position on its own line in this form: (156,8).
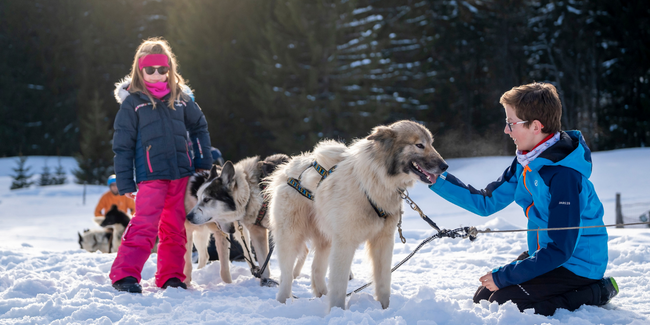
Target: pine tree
(60,176)
(21,178)
(310,77)
(96,158)
(46,177)
(436,66)
(216,43)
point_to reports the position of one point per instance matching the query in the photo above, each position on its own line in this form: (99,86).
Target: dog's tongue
(432,177)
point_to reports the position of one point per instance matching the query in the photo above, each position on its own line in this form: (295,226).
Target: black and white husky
(230,197)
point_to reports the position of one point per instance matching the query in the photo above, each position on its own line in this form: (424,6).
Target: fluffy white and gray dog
(357,202)
(232,196)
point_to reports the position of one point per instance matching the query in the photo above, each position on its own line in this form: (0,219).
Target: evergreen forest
(278,76)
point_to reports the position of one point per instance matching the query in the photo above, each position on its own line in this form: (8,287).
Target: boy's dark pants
(559,288)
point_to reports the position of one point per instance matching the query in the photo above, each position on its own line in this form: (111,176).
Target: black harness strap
(380,212)
(323,172)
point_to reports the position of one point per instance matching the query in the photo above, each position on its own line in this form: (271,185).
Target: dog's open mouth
(425,177)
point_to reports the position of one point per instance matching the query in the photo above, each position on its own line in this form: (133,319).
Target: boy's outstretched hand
(488,282)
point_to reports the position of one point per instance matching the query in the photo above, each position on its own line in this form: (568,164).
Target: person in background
(113,197)
(151,129)
(549,179)
(216,156)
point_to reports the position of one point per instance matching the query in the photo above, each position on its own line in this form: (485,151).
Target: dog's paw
(319,292)
(268,282)
(282,297)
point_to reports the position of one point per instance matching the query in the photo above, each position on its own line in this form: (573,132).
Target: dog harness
(380,212)
(324,172)
(265,207)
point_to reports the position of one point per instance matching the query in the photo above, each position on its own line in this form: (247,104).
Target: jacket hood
(121,90)
(570,151)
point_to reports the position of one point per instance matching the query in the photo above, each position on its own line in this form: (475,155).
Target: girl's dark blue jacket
(154,142)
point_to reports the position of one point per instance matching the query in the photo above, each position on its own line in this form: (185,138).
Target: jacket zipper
(527,169)
(149,160)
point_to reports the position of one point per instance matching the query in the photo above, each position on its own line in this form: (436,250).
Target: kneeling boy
(549,179)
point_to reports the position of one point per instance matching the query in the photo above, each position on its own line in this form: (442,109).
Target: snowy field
(46,279)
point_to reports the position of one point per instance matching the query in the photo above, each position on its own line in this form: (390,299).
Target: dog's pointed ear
(214,173)
(227,173)
(382,133)
(266,167)
(262,169)
(113,207)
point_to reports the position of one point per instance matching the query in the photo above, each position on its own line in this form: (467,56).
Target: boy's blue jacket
(155,141)
(554,190)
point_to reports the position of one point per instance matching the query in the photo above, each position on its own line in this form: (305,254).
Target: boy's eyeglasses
(509,124)
(150,70)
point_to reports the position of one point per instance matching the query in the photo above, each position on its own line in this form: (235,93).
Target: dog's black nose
(443,166)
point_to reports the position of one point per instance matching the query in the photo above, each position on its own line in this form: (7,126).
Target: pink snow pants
(160,211)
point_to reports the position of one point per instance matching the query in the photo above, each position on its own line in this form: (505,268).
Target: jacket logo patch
(564,203)
(535,182)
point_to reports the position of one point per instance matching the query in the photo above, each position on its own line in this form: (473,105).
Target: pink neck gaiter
(158,89)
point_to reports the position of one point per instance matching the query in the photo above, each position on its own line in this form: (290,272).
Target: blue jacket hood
(570,151)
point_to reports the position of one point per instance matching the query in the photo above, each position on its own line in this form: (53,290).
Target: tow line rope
(466,232)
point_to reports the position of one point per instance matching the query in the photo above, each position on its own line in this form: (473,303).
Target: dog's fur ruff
(374,168)
(231,197)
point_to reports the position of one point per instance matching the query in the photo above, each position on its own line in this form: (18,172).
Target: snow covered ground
(46,279)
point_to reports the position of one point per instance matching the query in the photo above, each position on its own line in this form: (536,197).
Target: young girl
(151,127)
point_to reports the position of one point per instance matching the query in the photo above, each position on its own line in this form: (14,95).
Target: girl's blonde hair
(157,45)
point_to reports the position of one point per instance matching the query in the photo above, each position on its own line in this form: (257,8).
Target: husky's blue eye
(419,145)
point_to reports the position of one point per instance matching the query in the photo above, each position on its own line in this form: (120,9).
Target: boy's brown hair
(536,101)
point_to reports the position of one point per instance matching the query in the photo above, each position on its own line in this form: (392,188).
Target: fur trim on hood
(121,92)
